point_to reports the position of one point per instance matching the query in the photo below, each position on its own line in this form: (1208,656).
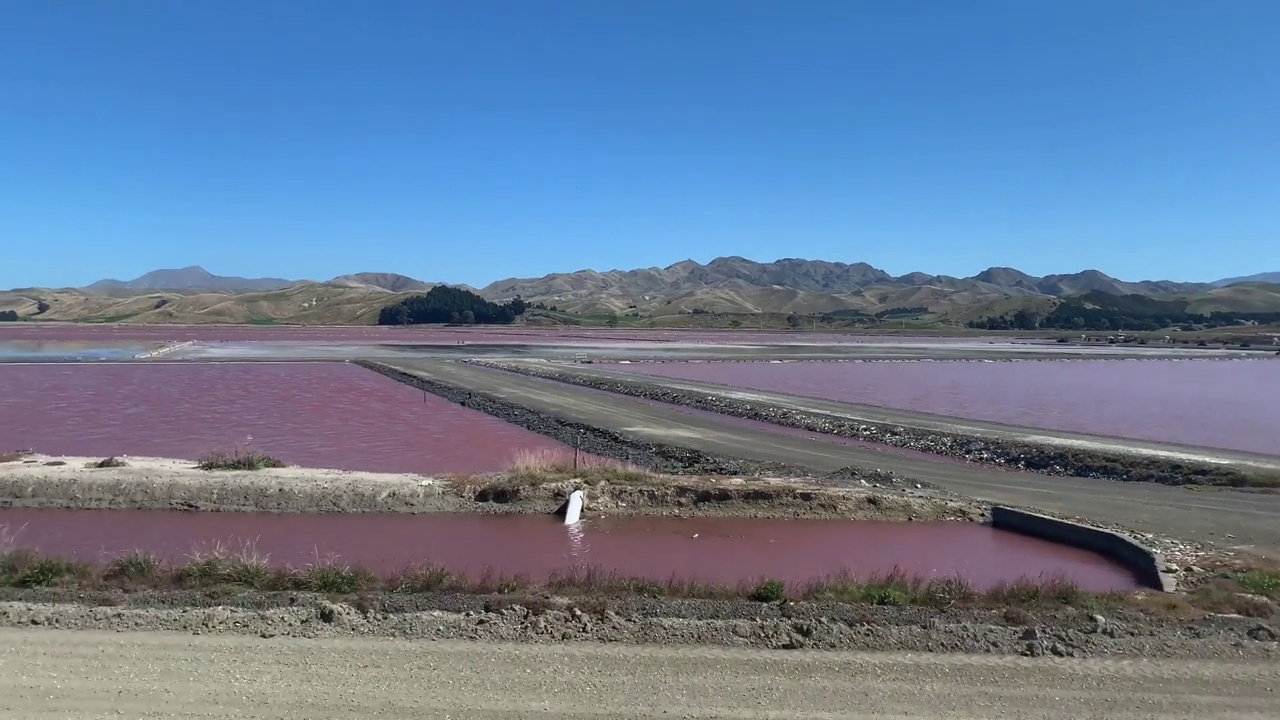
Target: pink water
(1219,404)
(331,415)
(715,550)
(432,334)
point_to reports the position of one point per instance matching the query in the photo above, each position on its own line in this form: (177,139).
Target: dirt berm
(987,450)
(167,484)
(640,620)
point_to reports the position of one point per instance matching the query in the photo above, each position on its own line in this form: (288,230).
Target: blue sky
(472,141)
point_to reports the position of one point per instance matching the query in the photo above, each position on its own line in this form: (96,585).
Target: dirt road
(1252,520)
(78,674)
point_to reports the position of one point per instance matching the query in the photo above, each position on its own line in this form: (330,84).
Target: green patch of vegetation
(1259,582)
(333,578)
(135,566)
(8,316)
(238,459)
(261,321)
(449,305)
(25,569)
(1102,311)
(770,591)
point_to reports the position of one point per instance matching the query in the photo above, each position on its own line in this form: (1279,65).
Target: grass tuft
(238,459)
(1259,582)
(770,591)
(136,566)
(14,455)
(111,462)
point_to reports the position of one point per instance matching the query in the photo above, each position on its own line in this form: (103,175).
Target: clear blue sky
(471,141)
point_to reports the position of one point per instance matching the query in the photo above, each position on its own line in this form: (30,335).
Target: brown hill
(737,282)
(732,285)
(391,282)
(312,303)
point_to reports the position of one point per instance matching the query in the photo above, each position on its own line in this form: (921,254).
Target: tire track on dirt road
(46,673)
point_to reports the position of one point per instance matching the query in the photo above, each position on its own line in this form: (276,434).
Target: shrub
(333,578)
(43,572)
(111,462)
(134,566)
(238,459)
(769,591)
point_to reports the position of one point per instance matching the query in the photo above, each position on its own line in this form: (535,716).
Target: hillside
(391,282)
(735,284)
(312,303)
(184,280)
(1267,277)
(669,296)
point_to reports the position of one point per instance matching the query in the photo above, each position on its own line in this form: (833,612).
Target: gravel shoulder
(636,620)
(59,674)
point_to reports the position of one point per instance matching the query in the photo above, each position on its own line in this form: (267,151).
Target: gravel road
(83,674)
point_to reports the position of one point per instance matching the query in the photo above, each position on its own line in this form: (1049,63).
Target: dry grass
(9,537)
(555,464)
(238,459)
(223,566)
(111,462)
(14,455)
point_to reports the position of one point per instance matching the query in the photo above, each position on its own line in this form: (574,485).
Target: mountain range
(724,285)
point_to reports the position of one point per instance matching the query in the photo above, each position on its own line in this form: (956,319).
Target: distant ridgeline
(443,304)
(1098,310)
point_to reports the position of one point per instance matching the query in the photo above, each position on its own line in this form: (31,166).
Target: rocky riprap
(1008,454)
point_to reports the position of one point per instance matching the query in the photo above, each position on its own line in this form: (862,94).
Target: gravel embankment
(991,451)
(645,621)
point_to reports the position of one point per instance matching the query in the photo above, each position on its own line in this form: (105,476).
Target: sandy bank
(169,484)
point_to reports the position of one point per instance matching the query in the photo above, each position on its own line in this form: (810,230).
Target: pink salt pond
(712,550)
(331,415)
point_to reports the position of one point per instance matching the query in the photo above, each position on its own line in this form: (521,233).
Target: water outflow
(573,510)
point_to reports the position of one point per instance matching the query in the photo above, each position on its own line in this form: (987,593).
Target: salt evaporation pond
(1233,405)
(724,551)
(332,415)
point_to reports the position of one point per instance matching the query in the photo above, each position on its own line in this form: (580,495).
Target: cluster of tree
(896,311)
(8,315)
(1102,311)
(443,304)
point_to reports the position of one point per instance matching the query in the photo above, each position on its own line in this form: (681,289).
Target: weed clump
(14,455)
(136,566)
(111,462)
(1259,582)
(770,591)
(238,459)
